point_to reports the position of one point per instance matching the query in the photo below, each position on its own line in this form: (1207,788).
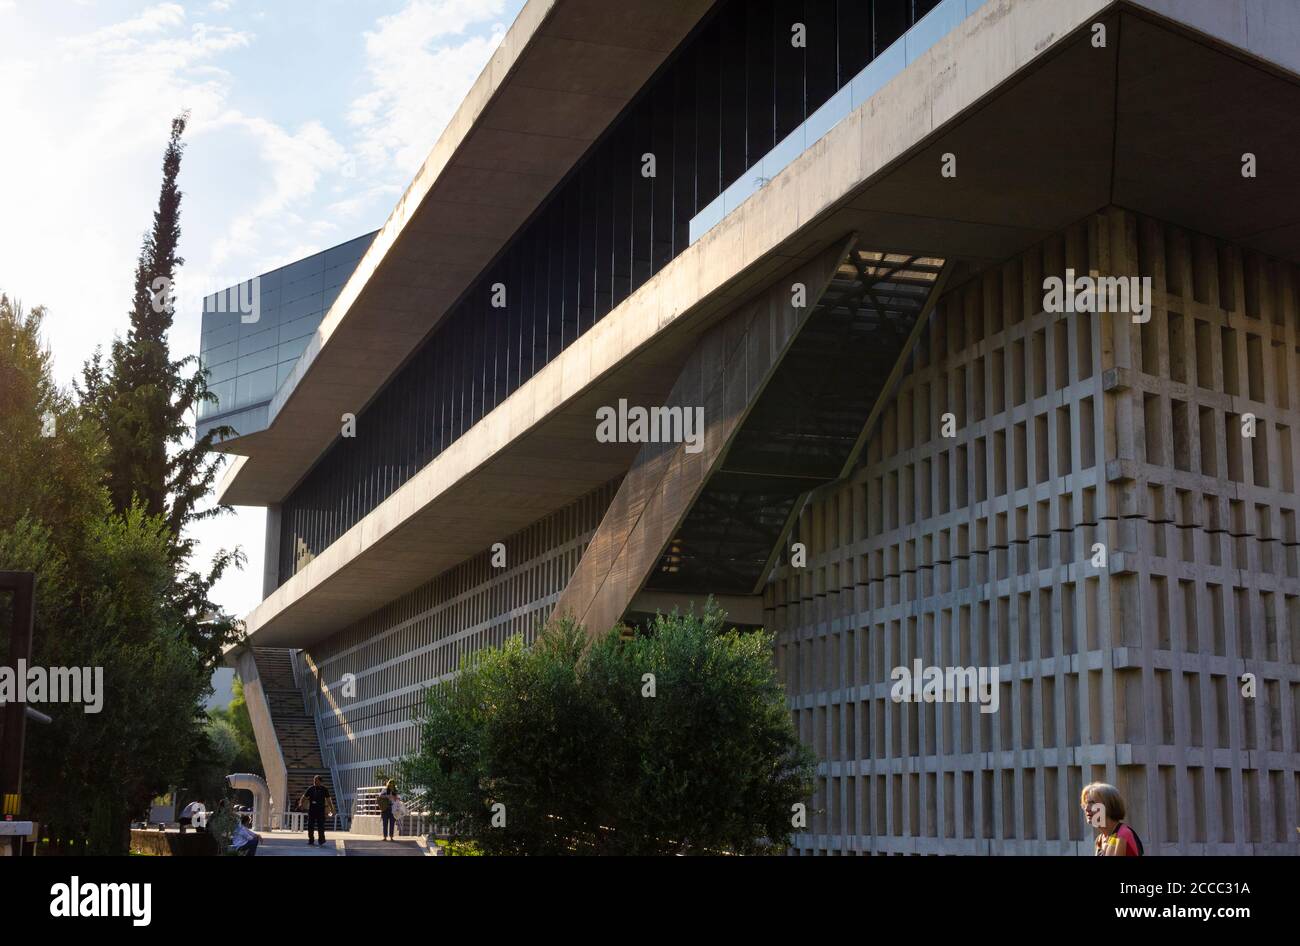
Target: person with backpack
(1103,807)
(389,807)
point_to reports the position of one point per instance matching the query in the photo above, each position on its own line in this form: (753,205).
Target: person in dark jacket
(316,799)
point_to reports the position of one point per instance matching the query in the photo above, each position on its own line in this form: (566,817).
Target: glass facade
(738,86)
(253,333)
(851,93)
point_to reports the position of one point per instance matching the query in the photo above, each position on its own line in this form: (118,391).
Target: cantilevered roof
(1046,128)
(563,72)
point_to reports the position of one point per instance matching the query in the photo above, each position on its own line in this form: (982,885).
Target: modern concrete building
(848,237)
(253,333)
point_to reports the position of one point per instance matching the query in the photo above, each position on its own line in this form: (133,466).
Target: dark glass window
(729,94)
(892,18)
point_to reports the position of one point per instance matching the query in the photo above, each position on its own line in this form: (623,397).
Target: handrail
(365,805)
(302,669)
(297,821)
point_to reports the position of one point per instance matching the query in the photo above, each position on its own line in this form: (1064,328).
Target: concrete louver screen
(843,298)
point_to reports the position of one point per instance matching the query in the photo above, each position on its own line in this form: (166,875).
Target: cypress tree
(146,400)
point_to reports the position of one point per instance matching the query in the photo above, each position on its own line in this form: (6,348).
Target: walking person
(1103,807)
(390,806)
(317,799)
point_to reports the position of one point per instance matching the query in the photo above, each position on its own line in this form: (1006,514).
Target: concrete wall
(268,746)
(1269,29)
(271,551)
(419,640)
(976,549)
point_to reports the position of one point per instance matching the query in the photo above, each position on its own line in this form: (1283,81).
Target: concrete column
(271,555)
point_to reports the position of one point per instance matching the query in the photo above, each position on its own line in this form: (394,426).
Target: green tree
(214,758)
(107,598)
(567,738)
(234,719)
(51,454)
(145,403)
(103,600)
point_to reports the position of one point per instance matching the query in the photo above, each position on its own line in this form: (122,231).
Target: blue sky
(308,120)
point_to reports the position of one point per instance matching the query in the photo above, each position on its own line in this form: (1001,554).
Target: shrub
(676,740)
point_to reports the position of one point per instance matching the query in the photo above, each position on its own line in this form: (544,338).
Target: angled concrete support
(731,365)
(259,711)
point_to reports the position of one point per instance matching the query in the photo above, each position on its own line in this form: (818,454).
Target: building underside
(882,390)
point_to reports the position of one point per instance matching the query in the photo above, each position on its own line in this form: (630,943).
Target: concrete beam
(1018,93)
(1268,30)
(724,376)
(563,72)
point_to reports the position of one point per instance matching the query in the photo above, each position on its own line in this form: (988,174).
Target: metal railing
(297,821)
(309,684)
(413,823)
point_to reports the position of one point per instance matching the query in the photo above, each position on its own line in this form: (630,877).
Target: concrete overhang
(1046,128)
(563,72)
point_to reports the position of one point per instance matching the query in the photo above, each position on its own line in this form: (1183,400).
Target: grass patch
(459,848)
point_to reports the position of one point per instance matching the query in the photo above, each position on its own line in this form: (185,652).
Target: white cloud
(92,111)
(294,164)
(93,115)
(421,61)
(266,181)
(124,35)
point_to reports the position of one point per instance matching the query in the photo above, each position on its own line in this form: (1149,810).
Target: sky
(307,122)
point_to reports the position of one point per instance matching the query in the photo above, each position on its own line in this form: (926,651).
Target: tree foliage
(99,485)
(229,731)
(145,403)
(584,761)
(105,599)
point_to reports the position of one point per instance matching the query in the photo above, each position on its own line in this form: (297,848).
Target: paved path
(377,847)
(338,844)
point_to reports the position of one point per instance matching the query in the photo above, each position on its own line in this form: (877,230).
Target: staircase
(295,730)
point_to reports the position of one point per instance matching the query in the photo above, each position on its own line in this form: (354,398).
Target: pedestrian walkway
(294,844)
(377,847)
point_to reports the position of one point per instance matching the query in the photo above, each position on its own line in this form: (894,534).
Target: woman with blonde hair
(1103,807)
